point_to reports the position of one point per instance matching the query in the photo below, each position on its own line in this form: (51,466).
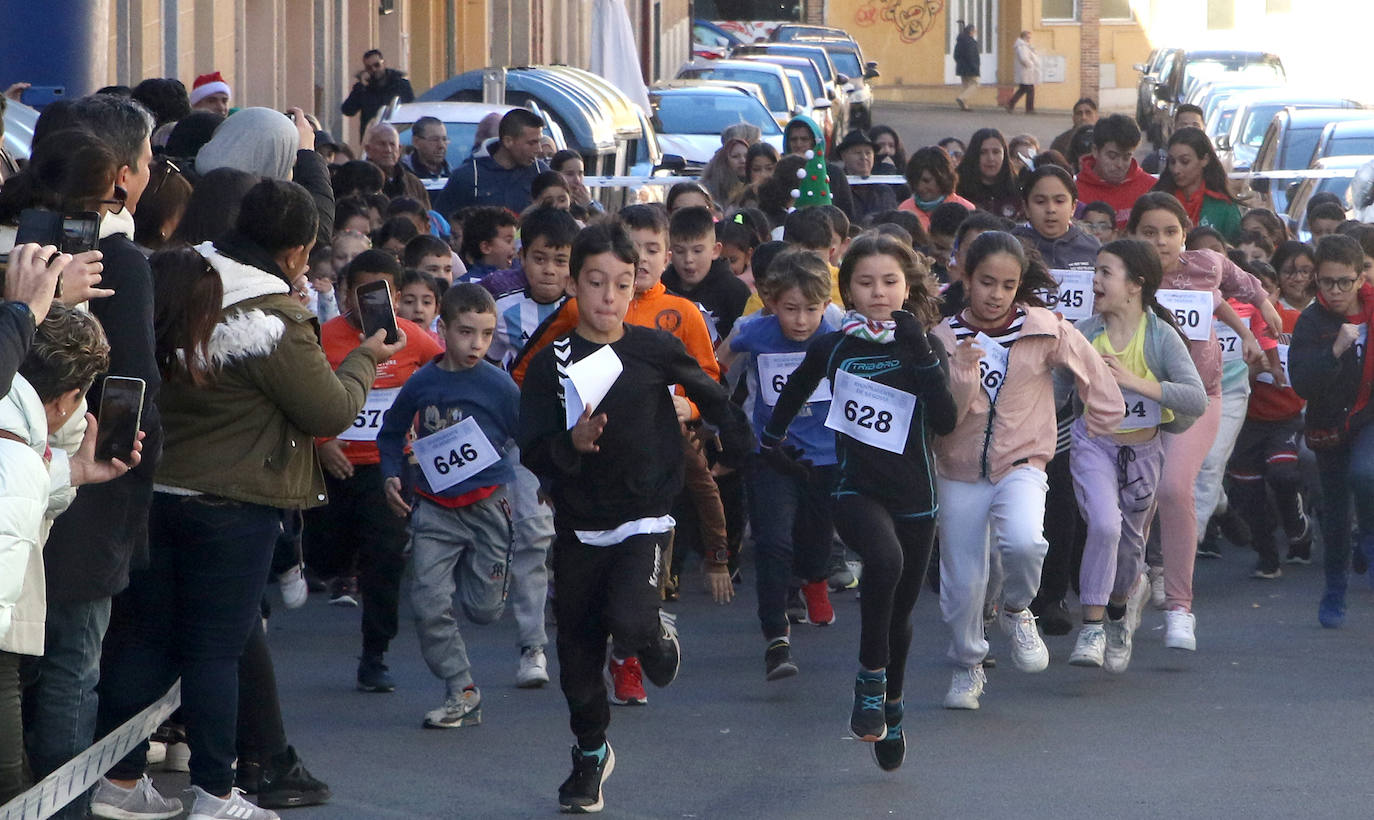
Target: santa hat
(207,84)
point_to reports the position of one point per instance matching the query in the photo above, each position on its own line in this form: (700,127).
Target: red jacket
(1092,188)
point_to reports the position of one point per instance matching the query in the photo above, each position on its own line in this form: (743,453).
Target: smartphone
(38,96)
(121,412)
(69,233)
(375,309)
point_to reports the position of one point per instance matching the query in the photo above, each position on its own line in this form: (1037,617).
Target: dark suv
(1172,73)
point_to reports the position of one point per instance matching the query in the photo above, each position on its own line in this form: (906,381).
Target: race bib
(774,368)
(992,368)
(1140,411)
(1192,311)
(454,454)
(1229,340)
(1267,377)
(1075,293)
(877,415)
(368,422)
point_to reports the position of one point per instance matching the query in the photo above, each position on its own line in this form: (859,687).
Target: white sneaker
(157,752)
(293,587)
(1028,650)
(1092,640)
(462,709)
(1157,597)
(1135,603)
(178,758)
(139,802)
(965,688)
(237,807)
(1178,630)
(1119,639)
(534,668)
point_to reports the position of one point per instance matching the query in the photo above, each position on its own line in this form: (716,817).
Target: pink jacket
(1022,428)
(1209,270)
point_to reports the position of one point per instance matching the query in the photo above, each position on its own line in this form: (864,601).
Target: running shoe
(139,802)
(1028,651)
(796,607)
(237,807)
(1300,547)
(818,608)
(1179,625)
(1158,598)
(891,750)
(626,682)
(1331,610)
(866,719)
(1117,655)
(965,687)
(533,671)
(1210,546)
(662,661)
(1266,570)
(777,661)
(294,590)
(462,709)
(581,792)
(1092,642)
(374,675)
(1055,618)
(286,784)
(343,591)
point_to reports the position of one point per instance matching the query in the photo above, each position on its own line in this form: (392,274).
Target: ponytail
(1143,266)
(187,298)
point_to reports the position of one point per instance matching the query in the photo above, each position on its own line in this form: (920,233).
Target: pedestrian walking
(967,62)
(1025,72)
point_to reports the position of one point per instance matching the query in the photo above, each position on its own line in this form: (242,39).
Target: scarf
(860,327)
(1193,202)
(928,204)
(1366,310)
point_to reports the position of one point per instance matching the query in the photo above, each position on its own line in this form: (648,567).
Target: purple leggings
(1115,485)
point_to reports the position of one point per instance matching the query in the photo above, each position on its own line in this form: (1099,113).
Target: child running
(992,465)
(1115,476)
(890,395)
(613,468)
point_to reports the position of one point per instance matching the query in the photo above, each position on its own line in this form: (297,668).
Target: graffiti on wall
(912,18)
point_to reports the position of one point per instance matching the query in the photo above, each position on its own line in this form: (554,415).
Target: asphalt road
(1269,718)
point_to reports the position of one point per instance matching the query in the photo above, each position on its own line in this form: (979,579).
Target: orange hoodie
(656,308)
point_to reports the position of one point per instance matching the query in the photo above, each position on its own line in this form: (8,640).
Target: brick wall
(1090,42)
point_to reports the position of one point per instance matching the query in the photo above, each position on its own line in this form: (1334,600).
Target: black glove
(910,333)
(786,460)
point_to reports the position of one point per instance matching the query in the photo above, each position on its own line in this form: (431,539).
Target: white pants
(1208,496)
(1012,512)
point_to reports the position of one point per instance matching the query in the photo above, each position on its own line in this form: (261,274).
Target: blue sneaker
(870,693)
(1331,611)
(891,750)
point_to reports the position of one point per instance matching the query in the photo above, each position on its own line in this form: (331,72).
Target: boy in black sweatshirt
(613,475)
(699,274)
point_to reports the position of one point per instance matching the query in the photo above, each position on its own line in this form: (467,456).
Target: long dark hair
(187,297)
(923,300)
(899,154)
(214,205)
(1144,268)
(71,170)
(970,176)
(1158,201)
(1213,175)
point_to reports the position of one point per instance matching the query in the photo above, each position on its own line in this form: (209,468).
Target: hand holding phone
(376,310)
(121,412)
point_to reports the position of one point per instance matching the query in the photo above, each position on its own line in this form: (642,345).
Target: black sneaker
(247,776)
(891,750)
(1267,570)
(1210,546)
(1055,618)
(581,792)
(866,719)
(344,592)
(373,675)
(1300,548)
(286,783)
(796,606)
(777,661)
(662,661)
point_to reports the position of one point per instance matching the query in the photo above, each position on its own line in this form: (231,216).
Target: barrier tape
(892,179)
(77,776)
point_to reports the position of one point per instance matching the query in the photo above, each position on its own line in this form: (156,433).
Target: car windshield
(823,66)
(1265,72)
(1350,146)
(1301,143)
(847,62)
(773,92)
(1257,122)
(460,136)
(709,114)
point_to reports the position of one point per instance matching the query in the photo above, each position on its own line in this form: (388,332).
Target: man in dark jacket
(503,175)
(91,545)
(376,86)
(382,148)
(967,62)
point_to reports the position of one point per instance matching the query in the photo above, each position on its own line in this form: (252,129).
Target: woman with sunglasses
(1330,367)
(162,205)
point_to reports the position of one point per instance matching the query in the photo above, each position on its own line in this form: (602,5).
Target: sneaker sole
(473,718)
(965,705)
(600,796)
(375,690)
(1300,561)
(1085,662)
(1181,644)
(115,813)
(1039,663)
(782,671)
(868,738)
(532,683)
(1261,575)
(815,622)
(292,798)
(344,601)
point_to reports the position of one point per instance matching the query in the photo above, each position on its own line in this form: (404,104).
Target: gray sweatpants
(464,551)
(529,574)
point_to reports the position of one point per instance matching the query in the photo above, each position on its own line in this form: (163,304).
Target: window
(1116,9)
(1059,10)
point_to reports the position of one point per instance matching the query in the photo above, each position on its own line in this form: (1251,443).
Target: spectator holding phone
(375,87)
(247,387)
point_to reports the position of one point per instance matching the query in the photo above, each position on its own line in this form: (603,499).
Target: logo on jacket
(668,320)
(435,419)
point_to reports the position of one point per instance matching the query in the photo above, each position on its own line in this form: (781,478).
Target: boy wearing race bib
(1115,475)
(356,525)
(789,502)
(600,429)
(463,410)
(889,395)
(992,465)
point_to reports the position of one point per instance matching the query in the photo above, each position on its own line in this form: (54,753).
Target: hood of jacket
(22,414)
(243,333)
(812,126)
(257,140)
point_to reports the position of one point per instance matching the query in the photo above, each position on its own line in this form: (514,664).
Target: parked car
(711,42)
(689,119)
(834,81)
(460,121)
(1288,144)
(1237,147)
(777,92)
(849,61)
(794,31)
(1160,60)
(812,96)
(1301,190)
(1346,138)
(1181,70)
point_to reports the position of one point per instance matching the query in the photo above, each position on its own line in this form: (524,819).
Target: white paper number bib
(1075,293)
(1231,348)
(877,415)
(992,367)
(454,454)
(369,419)
(1266,376)
(1192,310)
(774,368)
(1140,412)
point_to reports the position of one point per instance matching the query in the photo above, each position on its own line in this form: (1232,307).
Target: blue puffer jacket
(480,180)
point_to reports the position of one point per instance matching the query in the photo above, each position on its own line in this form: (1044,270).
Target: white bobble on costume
(795,193)
(801,173)
(810,155)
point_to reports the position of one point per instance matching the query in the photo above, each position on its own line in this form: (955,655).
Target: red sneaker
(818,608)
(627,682)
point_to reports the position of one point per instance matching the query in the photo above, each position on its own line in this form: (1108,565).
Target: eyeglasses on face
(1342,285)
(163,169)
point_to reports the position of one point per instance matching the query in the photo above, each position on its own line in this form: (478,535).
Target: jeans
(792,525)
(190,614)
(60,705)
(12,778)
(1012,512)
(1347,474)
(261,734)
